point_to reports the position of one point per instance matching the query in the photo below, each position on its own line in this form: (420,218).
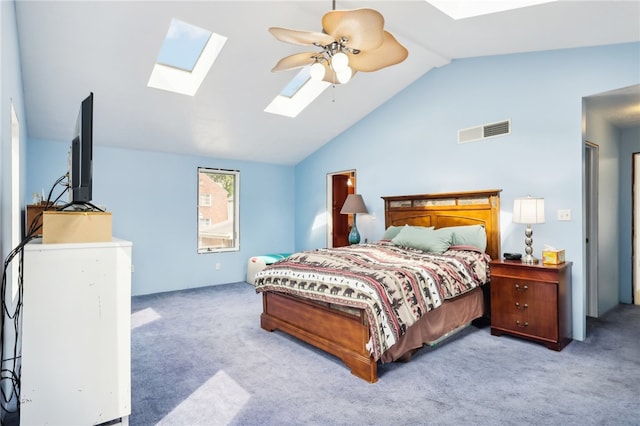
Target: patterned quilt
(394,285)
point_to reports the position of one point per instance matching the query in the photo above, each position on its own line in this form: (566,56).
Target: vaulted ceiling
(69,49)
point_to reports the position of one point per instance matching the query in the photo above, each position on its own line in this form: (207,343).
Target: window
(187,54)
(297,95)
(218,214)
(205,200)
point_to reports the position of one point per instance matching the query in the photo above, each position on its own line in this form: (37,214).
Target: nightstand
(532,301)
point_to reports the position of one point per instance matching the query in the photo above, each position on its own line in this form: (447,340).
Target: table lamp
(528,210)
(354,205)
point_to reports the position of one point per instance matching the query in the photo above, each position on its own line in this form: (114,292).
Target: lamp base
(528,241)
(354,235)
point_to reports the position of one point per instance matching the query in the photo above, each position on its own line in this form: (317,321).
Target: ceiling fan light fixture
(340,62)
(344,75)
(351,41)
(317,71)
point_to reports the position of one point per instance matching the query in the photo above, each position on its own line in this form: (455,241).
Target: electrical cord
(75,205)
(12,372)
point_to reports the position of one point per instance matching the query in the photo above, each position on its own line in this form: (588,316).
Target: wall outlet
(217,266)
(564,215)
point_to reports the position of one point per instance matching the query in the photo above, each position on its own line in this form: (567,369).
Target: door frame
(635,223)
(329,201)
(591,176)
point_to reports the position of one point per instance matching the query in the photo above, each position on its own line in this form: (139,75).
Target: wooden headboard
(449,209)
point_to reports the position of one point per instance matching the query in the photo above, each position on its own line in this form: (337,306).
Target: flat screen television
(81,155)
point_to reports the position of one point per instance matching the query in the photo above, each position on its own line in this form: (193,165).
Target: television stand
(87,206)
(76,333)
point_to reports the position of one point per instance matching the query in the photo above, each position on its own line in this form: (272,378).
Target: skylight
(186,56)
(297,94)
(460,9)
(296,83)
(183,45)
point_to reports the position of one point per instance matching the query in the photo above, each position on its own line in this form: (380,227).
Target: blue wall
(409,145)
(153,198)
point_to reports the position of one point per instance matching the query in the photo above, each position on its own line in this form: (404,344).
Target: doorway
(635,221)
(591,155)
(339,185)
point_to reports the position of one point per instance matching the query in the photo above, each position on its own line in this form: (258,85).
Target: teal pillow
(391,232)
(425,239)
(469,235)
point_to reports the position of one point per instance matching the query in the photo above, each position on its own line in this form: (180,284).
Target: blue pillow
(469,235)
(425,239)
(392,231)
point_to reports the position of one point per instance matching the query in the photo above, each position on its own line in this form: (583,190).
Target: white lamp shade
(339,61)
(353,204)
(528,210)
(344,76)
(317,71)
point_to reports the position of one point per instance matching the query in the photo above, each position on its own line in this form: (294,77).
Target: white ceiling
(69,49)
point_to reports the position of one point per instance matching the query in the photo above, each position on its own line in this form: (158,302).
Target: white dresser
(76,333)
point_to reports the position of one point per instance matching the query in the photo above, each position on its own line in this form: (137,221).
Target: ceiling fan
(351,41)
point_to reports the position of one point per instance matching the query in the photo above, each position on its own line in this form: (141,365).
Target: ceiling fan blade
(297,60)
(362,28)
(389,53)
(301,37)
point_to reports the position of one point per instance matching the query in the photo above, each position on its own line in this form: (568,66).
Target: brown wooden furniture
(346,334)
(34,213)
(532,302)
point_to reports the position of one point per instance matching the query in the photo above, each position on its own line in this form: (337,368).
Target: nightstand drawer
(525,306)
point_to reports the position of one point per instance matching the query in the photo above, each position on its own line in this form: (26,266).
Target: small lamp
(528,211)
(354,205)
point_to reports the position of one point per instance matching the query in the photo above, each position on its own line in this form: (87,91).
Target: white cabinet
(76,333)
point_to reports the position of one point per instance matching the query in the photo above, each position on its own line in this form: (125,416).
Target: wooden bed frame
(345,335)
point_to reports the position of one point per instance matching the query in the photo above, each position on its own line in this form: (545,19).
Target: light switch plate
(564,214)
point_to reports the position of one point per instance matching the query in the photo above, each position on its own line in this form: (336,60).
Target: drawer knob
(523,307)
(523,288)
(521,325)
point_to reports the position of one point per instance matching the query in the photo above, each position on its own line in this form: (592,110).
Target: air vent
(485,131)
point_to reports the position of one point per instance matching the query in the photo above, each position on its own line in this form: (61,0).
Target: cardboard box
(552,257)
(76,227)
(34,217)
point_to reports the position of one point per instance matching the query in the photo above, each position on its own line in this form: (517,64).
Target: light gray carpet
(199,357)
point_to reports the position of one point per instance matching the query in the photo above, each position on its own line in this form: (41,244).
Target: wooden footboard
(335,332)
